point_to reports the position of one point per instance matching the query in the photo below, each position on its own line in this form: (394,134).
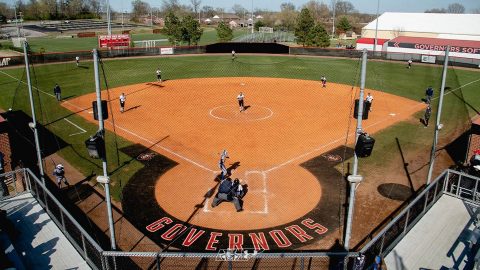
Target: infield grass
(390,77)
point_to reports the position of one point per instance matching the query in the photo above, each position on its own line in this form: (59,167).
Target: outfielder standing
(221,164)
(409,63)
(233,55)
(240,99)
(58,92)
(159,75)
(77,60)
(122,99)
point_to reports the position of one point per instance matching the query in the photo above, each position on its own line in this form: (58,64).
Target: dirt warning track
(287,123)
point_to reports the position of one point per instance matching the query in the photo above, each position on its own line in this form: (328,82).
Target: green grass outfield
(54,44)
(391,77)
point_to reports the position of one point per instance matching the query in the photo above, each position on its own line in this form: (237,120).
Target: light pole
(355,178)
(334,6)
(109,26)
(439,114)
(103,179)
(252,19)
(33,125)
(376,29)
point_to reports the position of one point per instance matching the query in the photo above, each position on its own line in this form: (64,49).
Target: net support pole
(104,159)
(439,114)
(355,178)
(33,125)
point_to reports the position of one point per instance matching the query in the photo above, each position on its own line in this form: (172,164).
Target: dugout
(244,47)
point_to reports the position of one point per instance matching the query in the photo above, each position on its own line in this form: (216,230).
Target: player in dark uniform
(324,81)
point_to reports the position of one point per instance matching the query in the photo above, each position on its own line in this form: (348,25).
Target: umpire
(228,192)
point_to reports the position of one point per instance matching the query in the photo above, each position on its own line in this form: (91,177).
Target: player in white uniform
(159,75)
(240,99)
(221,164)
(368,102)
(122,99)
(77,60)
(324,81)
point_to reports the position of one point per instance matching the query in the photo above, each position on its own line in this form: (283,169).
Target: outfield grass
(389,77)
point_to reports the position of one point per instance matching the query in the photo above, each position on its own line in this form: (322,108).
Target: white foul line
(75,125)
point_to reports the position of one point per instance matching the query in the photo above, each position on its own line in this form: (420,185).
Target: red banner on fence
(114,41)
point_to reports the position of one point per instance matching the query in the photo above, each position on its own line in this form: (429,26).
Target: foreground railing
(453,183)
(24,181)
(457,184)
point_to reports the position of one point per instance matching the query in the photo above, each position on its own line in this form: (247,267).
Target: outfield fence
(240,46)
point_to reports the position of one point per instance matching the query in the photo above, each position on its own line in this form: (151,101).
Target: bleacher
(76,25)
(277,36)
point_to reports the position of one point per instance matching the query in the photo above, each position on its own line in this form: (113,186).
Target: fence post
(406,221)
(302,263)
(458,186)
(158,261)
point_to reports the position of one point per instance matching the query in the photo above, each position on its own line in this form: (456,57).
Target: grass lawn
(385,76)
(54,44)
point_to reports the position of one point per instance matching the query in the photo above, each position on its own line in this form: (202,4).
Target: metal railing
(229,260)
(24,181)
(453,183)
(457,184)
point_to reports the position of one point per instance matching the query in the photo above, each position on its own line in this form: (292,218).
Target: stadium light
(109,26)
(376,29)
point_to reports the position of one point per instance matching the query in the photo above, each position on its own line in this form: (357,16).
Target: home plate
(392,114)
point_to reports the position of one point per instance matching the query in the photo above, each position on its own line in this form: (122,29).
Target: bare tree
(476,11)
(196,5)
(344,8)
(456,8)
(287,15)
(436,10)
(319,10)
(140,8)
(239,10)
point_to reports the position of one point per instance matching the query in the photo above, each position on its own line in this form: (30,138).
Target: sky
(366,6)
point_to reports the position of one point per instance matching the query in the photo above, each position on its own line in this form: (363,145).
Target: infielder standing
(221,164)
(324,81)
(122,99)
(240,99)
(428,113)
(159,75)
(368,102)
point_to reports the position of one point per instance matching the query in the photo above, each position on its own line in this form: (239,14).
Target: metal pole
(34,119)
(109,26)
(104,161)
(16,21)
(439,113)
(376,29)
(334,4)
(253,24)
(354,178)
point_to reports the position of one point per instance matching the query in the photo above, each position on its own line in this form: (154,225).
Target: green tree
(344,25)
(319,36)
(190,30)
(224,32)
(303,27)
(172,28)
(259,24)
